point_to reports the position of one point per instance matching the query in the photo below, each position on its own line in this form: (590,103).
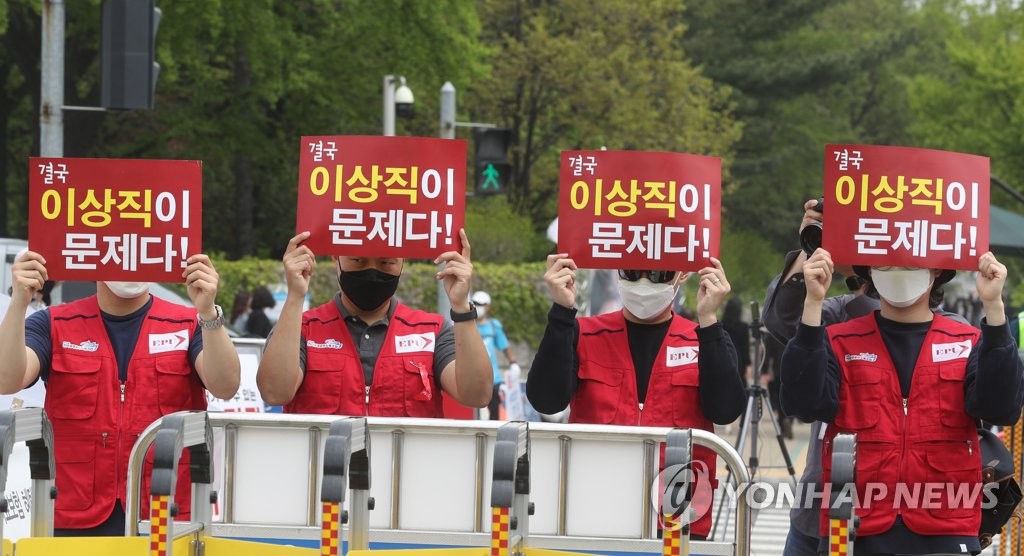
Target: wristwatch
(212,324)
(463,317)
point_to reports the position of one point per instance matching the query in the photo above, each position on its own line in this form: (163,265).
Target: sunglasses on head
(655,276)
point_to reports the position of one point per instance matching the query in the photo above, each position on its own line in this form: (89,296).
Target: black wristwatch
(463,317)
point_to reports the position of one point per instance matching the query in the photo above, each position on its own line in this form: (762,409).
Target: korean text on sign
(639,210)
(905,206)
(108,219)
(381,196)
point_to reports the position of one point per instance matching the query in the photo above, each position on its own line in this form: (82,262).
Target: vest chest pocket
(419,386)
(597,394)
(860,397)
(174,384)
(73,386)
(952,412)
(685,398)
(321,389)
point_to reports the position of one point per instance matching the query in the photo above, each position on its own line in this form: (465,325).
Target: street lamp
(396,101)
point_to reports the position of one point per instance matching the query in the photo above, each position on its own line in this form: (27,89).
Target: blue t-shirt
(494,339)
(123,332)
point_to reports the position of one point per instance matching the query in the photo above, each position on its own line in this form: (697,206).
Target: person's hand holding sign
(299,263)
(714,288)
(27,277)
(561,279)
(991,277)
(457,274)
(817,277)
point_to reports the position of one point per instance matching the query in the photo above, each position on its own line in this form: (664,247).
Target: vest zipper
(122,392)
(103,436)
(970,448)
(903,449)
(367,400)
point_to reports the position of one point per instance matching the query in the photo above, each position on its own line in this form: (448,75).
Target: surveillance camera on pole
(396,101)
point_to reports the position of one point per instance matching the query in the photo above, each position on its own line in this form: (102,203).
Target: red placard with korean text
(639,210)
(903,206)
(115,219)
(382,196)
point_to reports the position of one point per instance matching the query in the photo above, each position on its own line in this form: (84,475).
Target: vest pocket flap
(76,452)
(168,367)
(66,363)
(604,375)
(951,372)
(948,458)
(685,378)
(858,375)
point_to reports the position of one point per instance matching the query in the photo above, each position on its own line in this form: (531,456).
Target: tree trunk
(242,165)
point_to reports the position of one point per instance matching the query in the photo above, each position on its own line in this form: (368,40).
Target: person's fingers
(465,244)
(294,242)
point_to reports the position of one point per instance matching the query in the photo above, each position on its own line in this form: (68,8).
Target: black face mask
(369,288)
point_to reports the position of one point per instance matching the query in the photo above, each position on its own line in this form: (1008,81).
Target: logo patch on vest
(87,345)
(951,351)
(862,356)
(171,341)
(415,342)
(329,343)
(678,356)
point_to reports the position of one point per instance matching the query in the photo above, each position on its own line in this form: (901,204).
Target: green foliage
(499,234)
(518,294)
(584,74)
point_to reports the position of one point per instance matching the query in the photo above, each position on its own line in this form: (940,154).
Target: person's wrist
(464,307)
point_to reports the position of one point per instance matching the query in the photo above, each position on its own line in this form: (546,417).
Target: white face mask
(128,290)
(645,299)
(902,287)
(481,311)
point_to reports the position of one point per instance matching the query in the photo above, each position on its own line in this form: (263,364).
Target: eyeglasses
(655,276)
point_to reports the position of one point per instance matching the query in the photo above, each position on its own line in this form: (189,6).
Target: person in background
(240,310)
(113,363)
(258,324)
(363,352)
(738,331)
(642,364)
(493,334)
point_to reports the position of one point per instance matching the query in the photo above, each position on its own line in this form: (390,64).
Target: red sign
(639,210)
(382,196)
(111,219)
(901,206)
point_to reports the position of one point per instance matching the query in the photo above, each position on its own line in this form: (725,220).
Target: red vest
(927,439)
(606,391)
(94,427)
(403,378)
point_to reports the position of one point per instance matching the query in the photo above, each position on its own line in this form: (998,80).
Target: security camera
(403,100)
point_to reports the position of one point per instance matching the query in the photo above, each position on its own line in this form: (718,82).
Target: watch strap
(463,317)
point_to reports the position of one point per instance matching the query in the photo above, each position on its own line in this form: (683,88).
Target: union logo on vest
(171,341)
(415,342)
(950,351)
(678,356)
(87,345)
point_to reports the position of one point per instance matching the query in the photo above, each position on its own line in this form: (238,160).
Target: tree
(581,74)
(805,73)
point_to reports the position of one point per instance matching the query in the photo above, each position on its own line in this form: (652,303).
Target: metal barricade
(31,426)
(590,485)
(842,517)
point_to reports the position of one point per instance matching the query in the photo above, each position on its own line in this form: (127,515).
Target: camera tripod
(757,399)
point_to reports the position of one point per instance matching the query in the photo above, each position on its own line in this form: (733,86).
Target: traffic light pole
(447,131)
(51,102)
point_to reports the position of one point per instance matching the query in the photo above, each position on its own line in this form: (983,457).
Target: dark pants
(799,544)
(494,405)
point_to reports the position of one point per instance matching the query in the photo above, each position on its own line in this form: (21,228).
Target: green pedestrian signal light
(493,168)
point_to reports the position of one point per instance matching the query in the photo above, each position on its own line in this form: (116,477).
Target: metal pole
(389,105)
(51,118)
(444,306)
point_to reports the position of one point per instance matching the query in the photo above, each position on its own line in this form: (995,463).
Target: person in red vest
(643,364)
(363,353)
(113,363)
(911,384)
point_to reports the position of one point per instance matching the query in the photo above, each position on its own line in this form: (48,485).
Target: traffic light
(128,68)
(493,169)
